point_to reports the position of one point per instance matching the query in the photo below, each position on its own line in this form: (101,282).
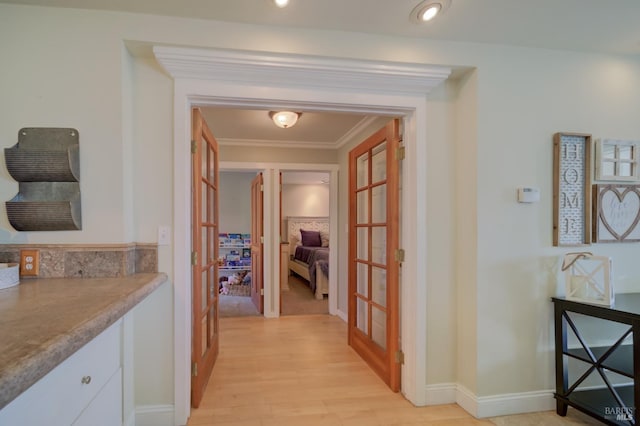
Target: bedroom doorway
(305,200)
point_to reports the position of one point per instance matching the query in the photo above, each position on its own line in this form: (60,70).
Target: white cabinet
(85,389)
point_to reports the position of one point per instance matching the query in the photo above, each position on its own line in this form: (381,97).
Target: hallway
(298,370)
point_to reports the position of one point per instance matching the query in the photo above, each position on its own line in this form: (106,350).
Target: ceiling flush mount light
(284,119)
(281,3)
(428,9)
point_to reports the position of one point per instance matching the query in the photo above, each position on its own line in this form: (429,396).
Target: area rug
(299,300)
(236,306)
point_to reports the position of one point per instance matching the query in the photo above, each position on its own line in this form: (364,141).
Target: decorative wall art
(588,278)
(617,160)
(616,213)
(46,164)
(571,189)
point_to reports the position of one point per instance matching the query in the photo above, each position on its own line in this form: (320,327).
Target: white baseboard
(489,406)
(467,400)
(442,393)
(515,403)
(155,415)
(342,315)
(131,420)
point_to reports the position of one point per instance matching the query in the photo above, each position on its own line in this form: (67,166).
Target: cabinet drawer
(60,396)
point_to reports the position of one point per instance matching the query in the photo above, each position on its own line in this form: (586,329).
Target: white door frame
(267,80)
(271,223)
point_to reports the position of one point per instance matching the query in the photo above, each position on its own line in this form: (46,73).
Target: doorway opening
(271,79)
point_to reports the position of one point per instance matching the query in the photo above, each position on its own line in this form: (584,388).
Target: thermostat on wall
(528,195)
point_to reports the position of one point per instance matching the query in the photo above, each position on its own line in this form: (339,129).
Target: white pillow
(324,236)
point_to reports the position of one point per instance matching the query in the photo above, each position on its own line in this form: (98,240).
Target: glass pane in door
(362,315)
(203,287)
(379,163)
(363,280)
(379,286)
(379,245)
(379,204)
(379,327)
(204,333)
(362,212)
(363,244)
(362,170)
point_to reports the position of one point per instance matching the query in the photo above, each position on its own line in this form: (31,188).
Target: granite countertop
(44,321)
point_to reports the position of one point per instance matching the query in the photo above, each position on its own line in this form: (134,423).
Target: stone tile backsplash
(109,261)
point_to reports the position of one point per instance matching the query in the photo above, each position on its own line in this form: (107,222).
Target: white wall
(305,200)
(235,201)
(490,133)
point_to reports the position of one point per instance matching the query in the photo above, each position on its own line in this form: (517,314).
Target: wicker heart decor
(617,209)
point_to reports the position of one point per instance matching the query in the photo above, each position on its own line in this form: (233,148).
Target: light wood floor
(298,370)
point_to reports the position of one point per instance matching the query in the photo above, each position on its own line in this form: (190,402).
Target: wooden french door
(373,241)
(204,256)
(257,213)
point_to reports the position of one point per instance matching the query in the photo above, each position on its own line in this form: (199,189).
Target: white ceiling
(607,26)
(587,25)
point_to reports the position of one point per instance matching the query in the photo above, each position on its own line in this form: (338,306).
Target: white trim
(505,404)
(155,415)
(131,420)
(342,315)
(441,393)
(227,78)
(467,400)
(360,126)
(272,279)
(286,70)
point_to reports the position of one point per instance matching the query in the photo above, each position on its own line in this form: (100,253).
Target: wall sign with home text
(571,192)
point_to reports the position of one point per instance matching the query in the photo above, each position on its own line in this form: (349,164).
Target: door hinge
(261,188)
(262,292)
(194,369)
(194,146)
(194,258)
(400,153)
(399,255)
(261,239)
(399,357)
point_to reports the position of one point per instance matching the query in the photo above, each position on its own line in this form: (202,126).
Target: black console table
(613,404)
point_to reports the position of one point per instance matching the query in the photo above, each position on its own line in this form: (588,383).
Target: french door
(257,213)
(373,262)
(204,270)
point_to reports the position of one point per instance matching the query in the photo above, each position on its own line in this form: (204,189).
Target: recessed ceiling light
(430,12)
(281,3)
(428,9)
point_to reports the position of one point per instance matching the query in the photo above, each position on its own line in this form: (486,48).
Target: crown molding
(288,70)
(275,144)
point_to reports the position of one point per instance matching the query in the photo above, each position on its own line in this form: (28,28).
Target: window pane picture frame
(571,189)
(617,160)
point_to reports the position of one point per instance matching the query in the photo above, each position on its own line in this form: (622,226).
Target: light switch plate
(164,235)
(29,263)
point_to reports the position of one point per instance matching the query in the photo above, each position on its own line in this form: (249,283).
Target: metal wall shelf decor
(46,163)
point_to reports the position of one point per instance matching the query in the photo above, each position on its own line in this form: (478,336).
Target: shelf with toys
(234,252)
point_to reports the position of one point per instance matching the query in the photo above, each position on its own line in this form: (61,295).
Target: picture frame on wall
(617,160)
(571,189)
(616,210)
